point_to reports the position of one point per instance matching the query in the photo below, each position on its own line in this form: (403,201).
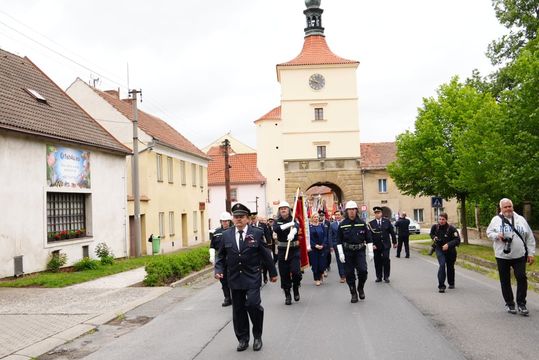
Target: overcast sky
(208,67)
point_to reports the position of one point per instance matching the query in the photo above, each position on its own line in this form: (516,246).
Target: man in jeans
(514,245)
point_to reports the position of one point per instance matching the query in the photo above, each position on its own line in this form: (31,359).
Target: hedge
(165,269)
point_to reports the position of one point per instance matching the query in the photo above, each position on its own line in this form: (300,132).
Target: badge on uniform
(250,239)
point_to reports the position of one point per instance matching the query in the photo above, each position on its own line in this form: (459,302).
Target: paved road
(407,319)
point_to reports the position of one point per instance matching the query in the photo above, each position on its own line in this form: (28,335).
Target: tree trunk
(464,230)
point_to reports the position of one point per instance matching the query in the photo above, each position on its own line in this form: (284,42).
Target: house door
(132,248)
(185,240)
(202,225)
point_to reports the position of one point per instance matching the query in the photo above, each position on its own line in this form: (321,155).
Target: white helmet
(284,204)
(351,205)
(225,216)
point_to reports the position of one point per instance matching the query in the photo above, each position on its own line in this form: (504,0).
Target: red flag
(303,233)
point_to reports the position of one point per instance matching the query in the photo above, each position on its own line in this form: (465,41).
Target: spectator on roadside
(402,225)
(446,239)
(514,245)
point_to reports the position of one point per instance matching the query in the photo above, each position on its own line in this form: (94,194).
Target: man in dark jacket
(215,243)
(381,229)
(403,234)
(242,252)
(446,239)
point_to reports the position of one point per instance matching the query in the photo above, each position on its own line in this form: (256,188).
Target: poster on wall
(68,167)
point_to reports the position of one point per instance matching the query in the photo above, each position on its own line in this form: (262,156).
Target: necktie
(241,237)
(379,223)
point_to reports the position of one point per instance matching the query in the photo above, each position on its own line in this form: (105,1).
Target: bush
(163,270)
(86,264)
(104,253)
(56,261)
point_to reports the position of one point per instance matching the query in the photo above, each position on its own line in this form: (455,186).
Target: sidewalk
(35,320)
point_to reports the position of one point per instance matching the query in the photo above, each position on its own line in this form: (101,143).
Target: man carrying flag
(289,261)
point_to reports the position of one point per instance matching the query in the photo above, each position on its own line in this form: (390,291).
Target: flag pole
(293,219)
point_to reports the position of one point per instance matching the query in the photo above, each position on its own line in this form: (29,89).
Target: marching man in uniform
(353,238)
(215,243)
(290,269)
(381,229)
(242,253)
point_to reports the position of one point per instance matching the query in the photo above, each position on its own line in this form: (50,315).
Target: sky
(208,67)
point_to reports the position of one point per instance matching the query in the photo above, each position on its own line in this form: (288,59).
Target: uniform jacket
(380,234)
(446,234)
(353,232)
(283,234)
(243,265)
(216,238)
(517,245)
(319,236)
(267,232)
(403,226)
(332,236)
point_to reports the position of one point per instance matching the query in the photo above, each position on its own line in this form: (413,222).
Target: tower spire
(313,14)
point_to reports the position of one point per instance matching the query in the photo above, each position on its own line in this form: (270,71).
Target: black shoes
(295,289)
(287,297)
(257,344)
(226,302)
(523,310)
(386,280)
(511,309)
(407,256)
(398,255)
(451,286)
(361,293)
(243,345)
(378,280)
(441,290)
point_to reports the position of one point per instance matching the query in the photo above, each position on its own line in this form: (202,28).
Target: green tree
(431,160)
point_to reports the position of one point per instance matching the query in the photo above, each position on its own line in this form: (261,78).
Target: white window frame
(171,223)
(195,221)
(159,161)
(382,185)
(201,176)
(321,151)
(318,113)
(194,174)
(419,215)
(161,225)
(183,173)
(170,166)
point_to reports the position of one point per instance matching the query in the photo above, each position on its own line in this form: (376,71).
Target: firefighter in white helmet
(286,230)
(215,242)
(353,239)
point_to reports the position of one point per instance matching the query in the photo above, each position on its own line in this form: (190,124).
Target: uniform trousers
(382,263)
(289,270)
(245,305)
(355,262)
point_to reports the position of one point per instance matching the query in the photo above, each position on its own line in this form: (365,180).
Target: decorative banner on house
(68,167)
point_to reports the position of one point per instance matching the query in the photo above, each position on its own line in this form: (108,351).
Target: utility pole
(226,147)
(135,172)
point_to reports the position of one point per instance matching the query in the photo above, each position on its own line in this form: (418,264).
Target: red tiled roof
(243,168)
(58,118)
(152,125)
(274,114)
(377,155)
(316,52)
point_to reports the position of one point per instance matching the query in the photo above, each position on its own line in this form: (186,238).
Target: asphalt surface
(406,319)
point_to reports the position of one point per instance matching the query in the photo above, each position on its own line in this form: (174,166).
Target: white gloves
(370,251)
(287,225)
(292,233)
(341,253)
(212,256)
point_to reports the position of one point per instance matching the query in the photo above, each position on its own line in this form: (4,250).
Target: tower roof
(317,52)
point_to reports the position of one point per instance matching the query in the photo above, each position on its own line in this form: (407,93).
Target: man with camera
(514,245)
(445,239)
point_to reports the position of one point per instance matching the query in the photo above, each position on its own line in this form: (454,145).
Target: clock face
(317,81)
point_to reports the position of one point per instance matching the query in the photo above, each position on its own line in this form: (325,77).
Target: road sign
(437,202)
(363,207)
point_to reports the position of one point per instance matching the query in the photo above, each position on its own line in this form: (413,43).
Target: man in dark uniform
(290,269)
(215,243)
(262,224)
(352,239)
(333,228)
(242,252)
(381,229)
(403,234)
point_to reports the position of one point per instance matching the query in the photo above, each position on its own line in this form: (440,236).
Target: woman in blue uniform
(319,246)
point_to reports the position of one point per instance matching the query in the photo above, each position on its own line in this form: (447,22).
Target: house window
(171,223)
(159,158)
(162,224)
(319,113)
(233,194)
(418,215)
(194,174)
(182,172)
(382,185)
(201,176)
(170,167)
(195,221)
(321,152)
(66,216)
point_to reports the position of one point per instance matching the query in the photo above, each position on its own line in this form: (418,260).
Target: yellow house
(173,172)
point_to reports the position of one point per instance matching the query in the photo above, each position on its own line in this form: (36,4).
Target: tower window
(321,152)
(382,185)
(319,113)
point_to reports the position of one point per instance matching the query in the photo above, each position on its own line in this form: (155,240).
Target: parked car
(414,227)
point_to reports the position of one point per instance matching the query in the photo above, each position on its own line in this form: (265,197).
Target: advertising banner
(68,167)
